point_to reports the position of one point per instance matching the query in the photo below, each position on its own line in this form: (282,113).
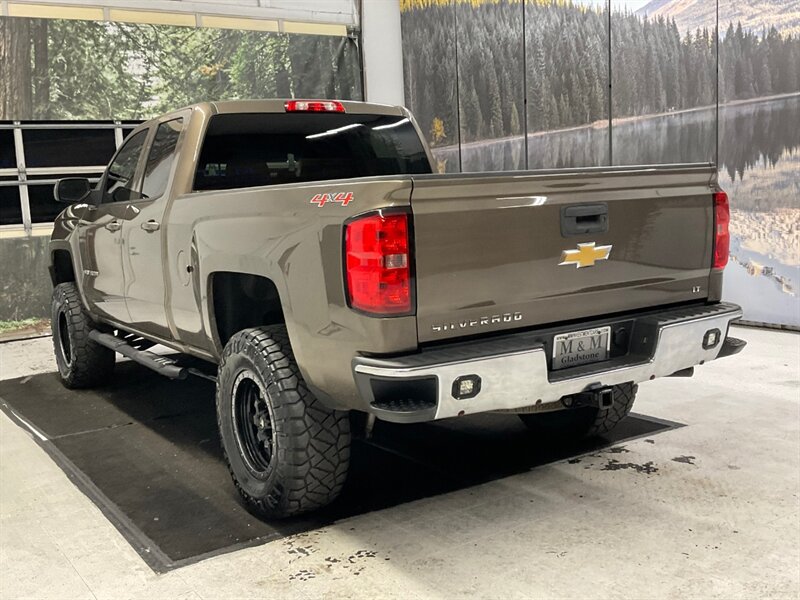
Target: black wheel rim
(63,339)
(252,422)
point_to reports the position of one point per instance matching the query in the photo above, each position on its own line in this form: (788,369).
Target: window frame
(145,129)
(151,138)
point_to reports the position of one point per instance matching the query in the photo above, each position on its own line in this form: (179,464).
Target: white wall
(383,51)
(341,12)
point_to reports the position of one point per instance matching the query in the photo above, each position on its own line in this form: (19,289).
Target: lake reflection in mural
(759,157)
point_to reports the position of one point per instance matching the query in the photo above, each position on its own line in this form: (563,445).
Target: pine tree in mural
(655,67)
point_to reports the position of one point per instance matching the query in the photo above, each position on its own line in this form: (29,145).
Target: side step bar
(160,364)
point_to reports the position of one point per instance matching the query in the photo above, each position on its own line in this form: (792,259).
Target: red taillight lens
(313,106)
(378,264)
(722,236)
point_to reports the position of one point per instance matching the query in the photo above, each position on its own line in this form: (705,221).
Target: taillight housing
(377,256)
(313,106)
(722,236)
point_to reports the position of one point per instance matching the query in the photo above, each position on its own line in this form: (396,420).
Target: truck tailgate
(501,251)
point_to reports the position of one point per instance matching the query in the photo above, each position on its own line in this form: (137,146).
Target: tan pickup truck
(305,251)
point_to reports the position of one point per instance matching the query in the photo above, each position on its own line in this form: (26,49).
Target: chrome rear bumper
(514,372)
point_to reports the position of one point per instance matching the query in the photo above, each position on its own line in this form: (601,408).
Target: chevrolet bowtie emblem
(585,256)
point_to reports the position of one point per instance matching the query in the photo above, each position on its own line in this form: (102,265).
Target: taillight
(313,106)
(378,264)
(722,236)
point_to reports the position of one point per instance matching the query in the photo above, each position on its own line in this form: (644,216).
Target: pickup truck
(305,252)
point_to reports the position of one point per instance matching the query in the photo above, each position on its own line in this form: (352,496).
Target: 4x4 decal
(342,198)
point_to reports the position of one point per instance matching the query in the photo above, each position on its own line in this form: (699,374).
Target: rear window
(245,150)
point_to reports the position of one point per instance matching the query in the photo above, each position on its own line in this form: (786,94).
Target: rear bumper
(513,370)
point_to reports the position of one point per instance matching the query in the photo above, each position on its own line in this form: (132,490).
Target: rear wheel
(82,362)
(576,423)
(286,451)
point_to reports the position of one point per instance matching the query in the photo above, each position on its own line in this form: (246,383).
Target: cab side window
(161,158)
(122,171)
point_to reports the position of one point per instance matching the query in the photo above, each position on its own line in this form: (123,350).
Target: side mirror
(72,190)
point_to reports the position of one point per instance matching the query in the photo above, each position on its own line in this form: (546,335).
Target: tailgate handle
(579,219)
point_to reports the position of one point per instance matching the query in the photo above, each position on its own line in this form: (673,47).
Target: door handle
(151,226)
(113,225)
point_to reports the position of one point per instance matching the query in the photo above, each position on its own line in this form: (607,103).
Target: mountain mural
(755,15)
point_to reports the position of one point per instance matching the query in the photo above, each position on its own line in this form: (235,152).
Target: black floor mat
(146,451)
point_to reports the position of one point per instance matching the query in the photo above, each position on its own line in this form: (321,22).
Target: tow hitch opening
(602,398)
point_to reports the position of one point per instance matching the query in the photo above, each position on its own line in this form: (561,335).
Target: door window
(161,158)
(122,171)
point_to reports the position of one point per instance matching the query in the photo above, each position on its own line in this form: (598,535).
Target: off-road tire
(310,450)
(575,423)
(82,362)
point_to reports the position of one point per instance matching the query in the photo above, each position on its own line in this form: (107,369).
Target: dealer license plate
(581,347)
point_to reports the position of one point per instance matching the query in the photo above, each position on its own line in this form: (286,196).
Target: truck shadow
(146,451)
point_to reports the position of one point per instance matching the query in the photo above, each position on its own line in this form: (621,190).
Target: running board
(160,364)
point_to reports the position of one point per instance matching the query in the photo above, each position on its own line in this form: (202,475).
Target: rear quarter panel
(277,232)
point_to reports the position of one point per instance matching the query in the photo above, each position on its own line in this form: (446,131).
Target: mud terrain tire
(286,451)
(82,362)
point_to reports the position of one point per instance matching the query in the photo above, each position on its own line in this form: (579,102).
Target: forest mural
(627,82)
(656,67)
(69,69)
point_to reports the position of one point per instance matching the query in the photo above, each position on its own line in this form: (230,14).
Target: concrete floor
(717,515)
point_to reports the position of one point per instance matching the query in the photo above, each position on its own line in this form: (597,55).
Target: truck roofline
(277,105)
(272,105)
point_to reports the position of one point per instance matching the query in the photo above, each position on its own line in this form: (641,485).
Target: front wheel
(286,451)
(82,362)
(575,423)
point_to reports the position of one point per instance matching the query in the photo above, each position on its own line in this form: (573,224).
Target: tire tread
(313,451)
(92,364)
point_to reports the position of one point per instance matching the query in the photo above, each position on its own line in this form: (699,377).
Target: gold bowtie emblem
(585,256)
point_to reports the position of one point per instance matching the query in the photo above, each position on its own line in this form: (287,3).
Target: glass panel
(121,172)
(160,159)
(664,88)
(429,68)
(266,149)
(567,80)
(44,208)
(759,160)
(43,205)
(8,156)
(490,89)
(10,208)
(68,147)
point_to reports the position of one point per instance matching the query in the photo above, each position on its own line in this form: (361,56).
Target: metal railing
(22,172)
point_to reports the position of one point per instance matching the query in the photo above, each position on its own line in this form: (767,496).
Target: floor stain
(361,554)
(615,465)
(302,575)
(689,460)
(617,450)
(302,550)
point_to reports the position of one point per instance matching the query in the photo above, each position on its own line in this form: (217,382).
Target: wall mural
(465,80)
(67,69)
